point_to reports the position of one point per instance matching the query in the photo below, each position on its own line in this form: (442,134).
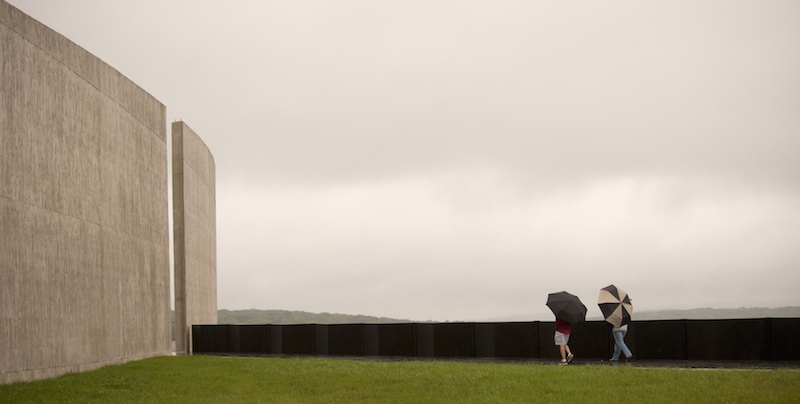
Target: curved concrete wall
(195,229)
(84,254)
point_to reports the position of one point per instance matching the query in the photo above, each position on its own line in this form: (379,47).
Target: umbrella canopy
(615,305)
(566,307)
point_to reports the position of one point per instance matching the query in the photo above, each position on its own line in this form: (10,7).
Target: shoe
(628,359)
(569,358)
(563,362)
(613,360)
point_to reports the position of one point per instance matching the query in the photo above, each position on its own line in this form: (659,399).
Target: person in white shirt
(619,343)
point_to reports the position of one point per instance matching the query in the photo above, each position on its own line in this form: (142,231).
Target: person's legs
(617,350)
(562,340)
(619,345)
(569,354)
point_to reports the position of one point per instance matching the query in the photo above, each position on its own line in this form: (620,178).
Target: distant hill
(709,313)
(254,316)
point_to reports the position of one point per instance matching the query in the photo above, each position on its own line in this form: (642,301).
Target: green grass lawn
(210,379)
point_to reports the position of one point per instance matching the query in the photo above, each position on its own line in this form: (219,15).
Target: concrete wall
(195,224)
(84,251)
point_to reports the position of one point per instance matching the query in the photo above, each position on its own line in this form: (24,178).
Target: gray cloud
(459,160)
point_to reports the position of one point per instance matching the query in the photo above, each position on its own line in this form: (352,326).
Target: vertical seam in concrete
(179,239)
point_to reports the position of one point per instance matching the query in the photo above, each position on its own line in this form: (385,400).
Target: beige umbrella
(615,305)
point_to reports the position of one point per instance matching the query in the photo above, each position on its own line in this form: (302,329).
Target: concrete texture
(195,224)
(84,253)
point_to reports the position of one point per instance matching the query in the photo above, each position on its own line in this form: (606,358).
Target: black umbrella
(566,307)
(615,305)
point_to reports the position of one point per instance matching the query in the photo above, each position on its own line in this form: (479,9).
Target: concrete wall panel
(84,264)
(194,216)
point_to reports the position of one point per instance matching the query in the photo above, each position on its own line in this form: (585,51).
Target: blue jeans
(619,339)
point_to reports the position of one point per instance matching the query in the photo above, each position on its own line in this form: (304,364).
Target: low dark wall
(739,339)
(254,339)
(345,339)
(397,340)
(665,339)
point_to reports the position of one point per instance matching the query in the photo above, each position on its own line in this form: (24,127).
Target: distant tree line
(711,314)
(254,316)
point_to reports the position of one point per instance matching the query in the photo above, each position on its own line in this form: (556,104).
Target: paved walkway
(650,363)
(687,364)
(697,364)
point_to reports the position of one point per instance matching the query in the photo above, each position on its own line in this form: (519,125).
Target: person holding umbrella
(563,329)
(617,309)
(568,309)
(619,344)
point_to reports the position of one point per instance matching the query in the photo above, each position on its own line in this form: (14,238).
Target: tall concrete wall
(84,236)
(195,228)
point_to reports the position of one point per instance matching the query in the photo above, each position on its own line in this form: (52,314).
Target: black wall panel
(662,339)
(276,339)
(484,340)
(345,339)
(197,339)
(298,339)
(454,340)
(785,339)
(737,339)
(547,347)
(371,340)
(590,340)
(254,339)
(423,336)
(215,338)
(726,339)
(396,340)
(321,339)
(517,340)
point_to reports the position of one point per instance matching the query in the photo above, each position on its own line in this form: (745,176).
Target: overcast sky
(459,160)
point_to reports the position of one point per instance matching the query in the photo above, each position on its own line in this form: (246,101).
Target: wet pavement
(697,364)
(647,363)
(651,363)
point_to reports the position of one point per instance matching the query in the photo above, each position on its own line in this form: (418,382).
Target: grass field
(209,379)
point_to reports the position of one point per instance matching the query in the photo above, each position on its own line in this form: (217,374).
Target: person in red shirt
(563,329)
